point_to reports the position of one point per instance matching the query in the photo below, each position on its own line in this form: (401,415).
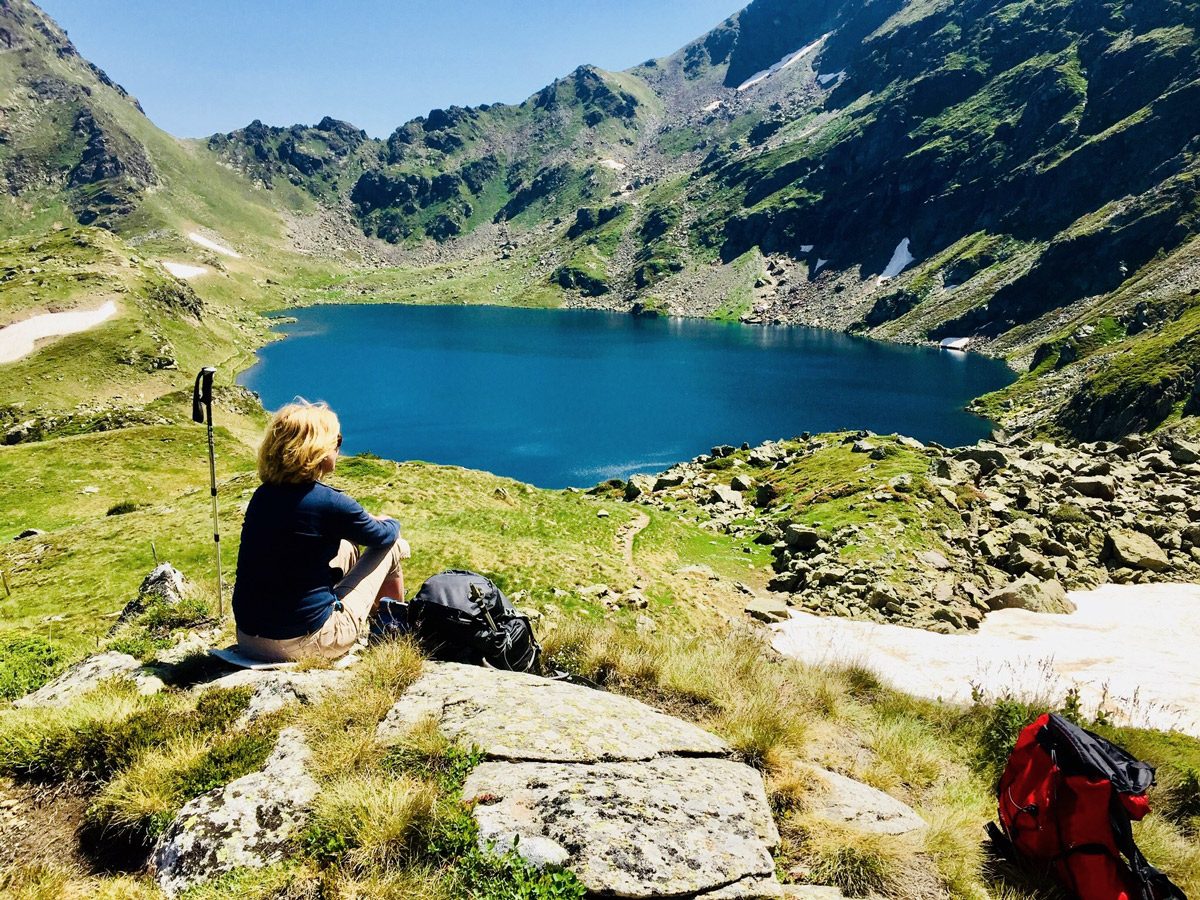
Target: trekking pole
(202,396)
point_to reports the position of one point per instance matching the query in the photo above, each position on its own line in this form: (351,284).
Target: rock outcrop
(1013,524)
(521,717)
(660,828)
(634,802)
(89,675)
(272,690)
(248,823)
(862,807)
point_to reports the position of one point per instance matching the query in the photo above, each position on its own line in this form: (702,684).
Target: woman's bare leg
(392,588)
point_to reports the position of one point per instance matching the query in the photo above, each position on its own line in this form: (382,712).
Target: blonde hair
(299,437)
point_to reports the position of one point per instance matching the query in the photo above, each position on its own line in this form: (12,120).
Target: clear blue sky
(202,66)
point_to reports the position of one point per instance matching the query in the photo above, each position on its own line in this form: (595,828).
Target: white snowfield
(197,238)
(790,60)
(185,270)
(901,260)
(1128,648)
(20,339)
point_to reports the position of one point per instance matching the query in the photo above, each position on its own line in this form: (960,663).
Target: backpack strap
(1154,884)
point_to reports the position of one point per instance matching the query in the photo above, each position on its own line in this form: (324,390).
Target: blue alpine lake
(572,397)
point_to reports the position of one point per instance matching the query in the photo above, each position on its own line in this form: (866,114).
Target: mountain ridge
(1020,174)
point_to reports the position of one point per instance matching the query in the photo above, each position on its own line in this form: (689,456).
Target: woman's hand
(403,548)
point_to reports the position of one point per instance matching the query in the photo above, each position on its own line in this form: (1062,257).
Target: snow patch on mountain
(901,260)
(185,270)
(209,244)
(790,60)
(21,339)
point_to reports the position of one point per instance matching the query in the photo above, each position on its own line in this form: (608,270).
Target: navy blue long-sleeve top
(291,533)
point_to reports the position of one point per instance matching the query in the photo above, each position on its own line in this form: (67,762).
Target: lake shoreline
(928,399)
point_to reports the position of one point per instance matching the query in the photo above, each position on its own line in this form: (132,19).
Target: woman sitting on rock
(304,590)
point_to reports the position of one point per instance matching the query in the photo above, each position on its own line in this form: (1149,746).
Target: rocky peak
(25,27)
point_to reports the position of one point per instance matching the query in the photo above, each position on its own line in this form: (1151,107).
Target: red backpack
(1067,798)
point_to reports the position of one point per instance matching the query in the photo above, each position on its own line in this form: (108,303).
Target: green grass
(145,467)
(89,565)
(27,661)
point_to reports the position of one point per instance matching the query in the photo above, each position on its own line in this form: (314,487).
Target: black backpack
(460,616)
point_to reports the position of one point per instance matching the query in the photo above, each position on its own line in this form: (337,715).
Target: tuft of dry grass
(728,685)
(411,884)
(147,790)
(47,882)
(377,816)
(906,755)
(1172,849)
(859,864)
(343,722)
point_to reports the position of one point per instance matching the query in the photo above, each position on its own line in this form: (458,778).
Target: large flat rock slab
(514,716)
(666,827)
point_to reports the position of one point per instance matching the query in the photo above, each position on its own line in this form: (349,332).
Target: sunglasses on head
(339,442)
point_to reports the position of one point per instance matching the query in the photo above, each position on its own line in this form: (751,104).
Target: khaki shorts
(363,575)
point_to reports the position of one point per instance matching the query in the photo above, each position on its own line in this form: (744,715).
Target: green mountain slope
(1038,160)
(98,204)
(444,174)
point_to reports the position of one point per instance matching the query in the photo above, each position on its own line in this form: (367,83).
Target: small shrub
(1002,724)
(120,509)
(477,874)
(26,663)
(105,731)
(1068,514)
(139,644)
(424,752)
(370,821)
(227,760)
(160,616)
(1178,796)
(218,708)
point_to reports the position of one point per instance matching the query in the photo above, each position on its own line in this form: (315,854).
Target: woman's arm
(353,523)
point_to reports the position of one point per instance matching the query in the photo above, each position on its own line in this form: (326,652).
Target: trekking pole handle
(202,393)
(477,599)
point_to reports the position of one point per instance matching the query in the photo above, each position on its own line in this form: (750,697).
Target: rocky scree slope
(890,530)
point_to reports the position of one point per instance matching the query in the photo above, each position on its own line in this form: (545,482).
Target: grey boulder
(721,494)
(1029,592)
(248,823)
(1135,550)
(89,674)
(768,609)
(863,808)
(664,828)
